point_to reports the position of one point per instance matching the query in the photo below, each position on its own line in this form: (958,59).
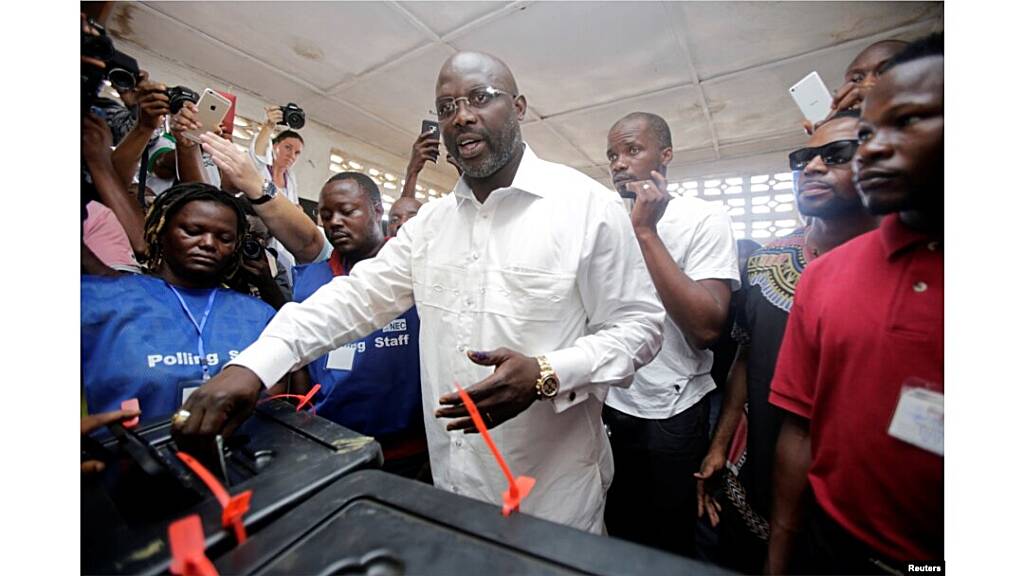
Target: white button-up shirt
(548,266)
(698,235)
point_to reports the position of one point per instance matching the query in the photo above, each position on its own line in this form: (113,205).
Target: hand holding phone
(426,147)
(212,108)
(813,98)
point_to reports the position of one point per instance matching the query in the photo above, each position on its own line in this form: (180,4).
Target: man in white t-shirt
(659,426)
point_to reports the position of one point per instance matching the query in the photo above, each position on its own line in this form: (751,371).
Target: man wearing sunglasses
(825,193)
(532,295)
(860,371)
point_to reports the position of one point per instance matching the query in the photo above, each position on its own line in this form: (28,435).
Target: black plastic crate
(283,456)
(375,523)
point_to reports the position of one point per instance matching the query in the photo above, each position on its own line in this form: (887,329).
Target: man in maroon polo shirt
(860,372)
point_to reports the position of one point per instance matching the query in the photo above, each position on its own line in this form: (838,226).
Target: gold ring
(180,417)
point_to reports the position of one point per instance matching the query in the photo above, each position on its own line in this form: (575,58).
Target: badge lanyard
(198,325)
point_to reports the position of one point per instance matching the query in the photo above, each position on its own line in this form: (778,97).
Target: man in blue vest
(371,385)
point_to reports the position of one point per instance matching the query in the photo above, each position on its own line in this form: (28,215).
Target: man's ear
(666,156)
(520,103)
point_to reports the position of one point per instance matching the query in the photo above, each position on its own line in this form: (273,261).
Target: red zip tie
(234,506)
(303,399)
(519,487)
(131,404)
(188,548)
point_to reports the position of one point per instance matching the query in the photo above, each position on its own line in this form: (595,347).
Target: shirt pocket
(528,295)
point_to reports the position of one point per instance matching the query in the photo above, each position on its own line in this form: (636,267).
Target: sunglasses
(838,152)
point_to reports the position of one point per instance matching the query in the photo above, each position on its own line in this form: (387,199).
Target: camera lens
(251,249)
(123,80)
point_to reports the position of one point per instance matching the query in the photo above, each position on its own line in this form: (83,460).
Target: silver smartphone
(813,98)
(212,109)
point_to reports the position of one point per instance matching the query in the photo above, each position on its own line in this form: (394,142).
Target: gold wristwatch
(547,384)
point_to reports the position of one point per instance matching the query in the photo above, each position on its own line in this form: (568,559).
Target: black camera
(294,117)
(178,95)
(252,249)
(119,68)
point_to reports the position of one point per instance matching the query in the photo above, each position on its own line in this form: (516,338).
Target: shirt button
(469,301)
(476,256)
(933,246)
(920,287)
(572,396)
(485,216)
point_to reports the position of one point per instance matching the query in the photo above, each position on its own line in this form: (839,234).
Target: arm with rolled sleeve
(263,158)
(346,309)
(626,319)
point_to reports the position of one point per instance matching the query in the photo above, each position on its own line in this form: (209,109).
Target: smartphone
(431,127)
(212,109)
(813,98)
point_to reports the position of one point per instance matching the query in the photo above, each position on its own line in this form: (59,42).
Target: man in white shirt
(528,267)
(659,425)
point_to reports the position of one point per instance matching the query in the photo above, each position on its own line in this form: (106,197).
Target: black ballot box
(284,457)
(378,524)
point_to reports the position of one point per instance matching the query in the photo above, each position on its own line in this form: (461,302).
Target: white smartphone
(813,98)
(212,109)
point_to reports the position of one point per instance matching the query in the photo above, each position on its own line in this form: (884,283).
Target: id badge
(341,359)
(919,417)
(186,388)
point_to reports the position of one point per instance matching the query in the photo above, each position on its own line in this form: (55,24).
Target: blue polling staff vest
(380,394)
(138,342)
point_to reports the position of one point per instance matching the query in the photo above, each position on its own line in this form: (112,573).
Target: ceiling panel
(568,55)
(404,93)
(322,42)
(757,104)
(445,17)
(547,144)
(733,36)
(680,107)
(162,35)
(356,124)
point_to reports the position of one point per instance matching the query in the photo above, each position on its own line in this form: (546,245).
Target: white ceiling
(718,72)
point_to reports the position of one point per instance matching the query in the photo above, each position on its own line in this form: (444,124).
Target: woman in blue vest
(159,335)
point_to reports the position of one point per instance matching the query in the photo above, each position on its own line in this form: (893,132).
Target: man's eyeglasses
(838,152)
(479,98)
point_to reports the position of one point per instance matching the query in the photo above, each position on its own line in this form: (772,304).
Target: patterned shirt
(772,275)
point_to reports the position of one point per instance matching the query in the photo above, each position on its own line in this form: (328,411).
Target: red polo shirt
(866,319)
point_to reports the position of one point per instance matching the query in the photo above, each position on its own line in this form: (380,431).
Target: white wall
(313,169)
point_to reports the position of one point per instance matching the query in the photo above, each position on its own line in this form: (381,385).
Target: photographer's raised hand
(96,142)
(153,104)
(112,193)
(233,163)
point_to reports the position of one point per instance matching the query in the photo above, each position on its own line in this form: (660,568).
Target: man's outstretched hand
(499,397)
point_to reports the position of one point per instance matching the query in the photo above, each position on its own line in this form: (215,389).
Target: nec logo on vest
(397,325)
(186,359)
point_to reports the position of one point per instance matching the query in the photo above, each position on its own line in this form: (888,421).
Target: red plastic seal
(188,548)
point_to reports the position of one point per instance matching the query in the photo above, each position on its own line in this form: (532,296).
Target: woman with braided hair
(159,335)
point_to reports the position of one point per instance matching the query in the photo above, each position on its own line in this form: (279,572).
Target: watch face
(549,387)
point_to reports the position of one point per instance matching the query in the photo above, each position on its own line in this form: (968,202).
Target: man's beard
(834,208)
(499,155)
